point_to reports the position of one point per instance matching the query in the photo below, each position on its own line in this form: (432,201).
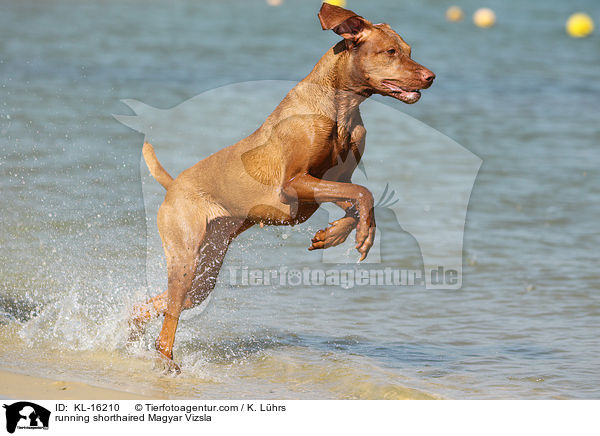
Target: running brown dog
(303,155)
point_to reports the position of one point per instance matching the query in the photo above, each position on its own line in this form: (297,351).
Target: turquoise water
(522,96)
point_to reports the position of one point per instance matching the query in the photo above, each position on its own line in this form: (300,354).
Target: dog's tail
(156,169)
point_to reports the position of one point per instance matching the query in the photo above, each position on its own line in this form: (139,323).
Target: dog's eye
(391,51)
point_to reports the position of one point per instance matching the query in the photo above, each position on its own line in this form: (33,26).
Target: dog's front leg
(306,188)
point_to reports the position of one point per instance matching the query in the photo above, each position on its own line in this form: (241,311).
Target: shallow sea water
(77,251)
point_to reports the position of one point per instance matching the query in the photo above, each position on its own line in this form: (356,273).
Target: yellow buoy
(454,13)
(340,3)
(580,25)
(484,17)
(274,2)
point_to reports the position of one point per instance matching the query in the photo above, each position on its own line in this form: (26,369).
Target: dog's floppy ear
(350,26)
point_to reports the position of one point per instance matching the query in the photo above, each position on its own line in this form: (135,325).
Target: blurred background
(522,95)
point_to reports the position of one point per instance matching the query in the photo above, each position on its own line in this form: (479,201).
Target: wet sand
(21,386)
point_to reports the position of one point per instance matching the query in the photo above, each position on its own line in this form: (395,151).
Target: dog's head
(381,62)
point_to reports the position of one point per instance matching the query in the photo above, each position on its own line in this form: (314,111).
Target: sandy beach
(22,386)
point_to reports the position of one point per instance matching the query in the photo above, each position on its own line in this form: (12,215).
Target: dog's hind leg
(193,273)
(180,268)
(204,280)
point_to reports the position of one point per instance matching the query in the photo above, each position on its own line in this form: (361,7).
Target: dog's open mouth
(404,94)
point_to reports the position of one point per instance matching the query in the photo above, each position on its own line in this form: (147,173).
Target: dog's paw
(165,365)
(334,235)
(365,235)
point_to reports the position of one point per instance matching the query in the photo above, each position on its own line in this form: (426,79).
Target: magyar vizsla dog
(304,154)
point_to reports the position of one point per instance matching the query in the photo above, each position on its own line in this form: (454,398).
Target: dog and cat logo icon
(26,415)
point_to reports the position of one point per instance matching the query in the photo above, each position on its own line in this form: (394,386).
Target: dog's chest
(343,151)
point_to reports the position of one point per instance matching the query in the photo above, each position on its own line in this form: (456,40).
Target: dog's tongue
(395,88)
(392,86)
(402,94)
